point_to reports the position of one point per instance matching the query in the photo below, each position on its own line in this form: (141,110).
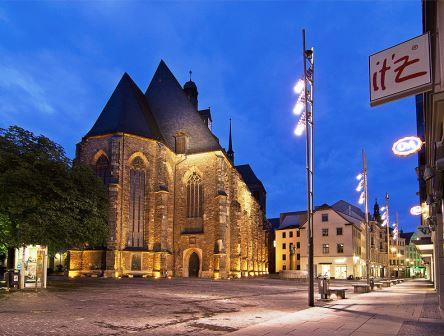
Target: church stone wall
(233,240)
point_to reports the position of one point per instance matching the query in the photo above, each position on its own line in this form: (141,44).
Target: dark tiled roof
(349,210)
(174,112)
(274,222)
(126,111)
(206,113)
(292,219)
(248,175)
(407,236)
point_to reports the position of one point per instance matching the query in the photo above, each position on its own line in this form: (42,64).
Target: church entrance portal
(193,265)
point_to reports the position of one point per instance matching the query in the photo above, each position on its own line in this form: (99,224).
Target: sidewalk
(410,308)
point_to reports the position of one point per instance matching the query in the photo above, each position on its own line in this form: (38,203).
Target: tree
(45,198)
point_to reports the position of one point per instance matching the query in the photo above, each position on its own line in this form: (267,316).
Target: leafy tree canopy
(45,198)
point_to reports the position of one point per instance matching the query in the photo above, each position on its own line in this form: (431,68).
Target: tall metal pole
(388,232)
(367,233)
(308,56)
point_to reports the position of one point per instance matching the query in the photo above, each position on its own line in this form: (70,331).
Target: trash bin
(12,278)
(324,288)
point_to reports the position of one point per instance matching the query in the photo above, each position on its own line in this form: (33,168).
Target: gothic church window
(194,196)
(137,204)
(102,169)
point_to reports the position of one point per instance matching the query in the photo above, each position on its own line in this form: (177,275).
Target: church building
(179,206)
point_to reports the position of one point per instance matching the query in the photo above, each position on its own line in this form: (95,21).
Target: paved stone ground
(205,307)
(148,307)
(410,308)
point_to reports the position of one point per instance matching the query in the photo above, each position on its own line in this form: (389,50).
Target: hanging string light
(360,188)
(299,107)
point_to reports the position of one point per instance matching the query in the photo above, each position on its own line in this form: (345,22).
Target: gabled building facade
(178,204)
(339,241)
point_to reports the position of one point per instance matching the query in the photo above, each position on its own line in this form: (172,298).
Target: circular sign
(407,146)
(415,210)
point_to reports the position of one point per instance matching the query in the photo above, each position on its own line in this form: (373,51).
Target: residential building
(339,241)
(414,263)
(273,225)
(378,249)
(430,125)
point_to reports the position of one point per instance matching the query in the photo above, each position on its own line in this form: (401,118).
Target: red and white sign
(400,71)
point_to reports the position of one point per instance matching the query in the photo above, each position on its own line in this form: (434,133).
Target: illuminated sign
(407,146)
(400,71)
(340,260)
(416,210)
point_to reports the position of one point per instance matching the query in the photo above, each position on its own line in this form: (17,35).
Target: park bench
(339,292)
(386,283)
(361,288)
(378,285)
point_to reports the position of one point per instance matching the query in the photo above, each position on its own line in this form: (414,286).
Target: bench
(361,288)
(378,285)
(386,283)
(339,292)
(394,282)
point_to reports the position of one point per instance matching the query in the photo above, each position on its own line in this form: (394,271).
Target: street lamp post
(304,107)
(386,222)
(363,199)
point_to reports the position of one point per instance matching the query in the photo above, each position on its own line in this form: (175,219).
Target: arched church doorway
(193,265)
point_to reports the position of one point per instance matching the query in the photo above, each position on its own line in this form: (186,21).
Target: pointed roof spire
(175,113)
(230,151)
(127,112)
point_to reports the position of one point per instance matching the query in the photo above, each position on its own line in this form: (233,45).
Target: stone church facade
(178,204)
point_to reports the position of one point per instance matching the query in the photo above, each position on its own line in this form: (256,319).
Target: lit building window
(137,204)
(325,248)
(340,248)
(102,169)
(194,196)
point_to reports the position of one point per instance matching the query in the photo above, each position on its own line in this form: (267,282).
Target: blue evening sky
(60,62)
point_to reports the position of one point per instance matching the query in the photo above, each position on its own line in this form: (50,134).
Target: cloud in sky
(17,85)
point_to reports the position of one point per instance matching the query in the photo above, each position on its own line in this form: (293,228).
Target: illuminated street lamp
(386,222)
(362,188)
(304,108)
